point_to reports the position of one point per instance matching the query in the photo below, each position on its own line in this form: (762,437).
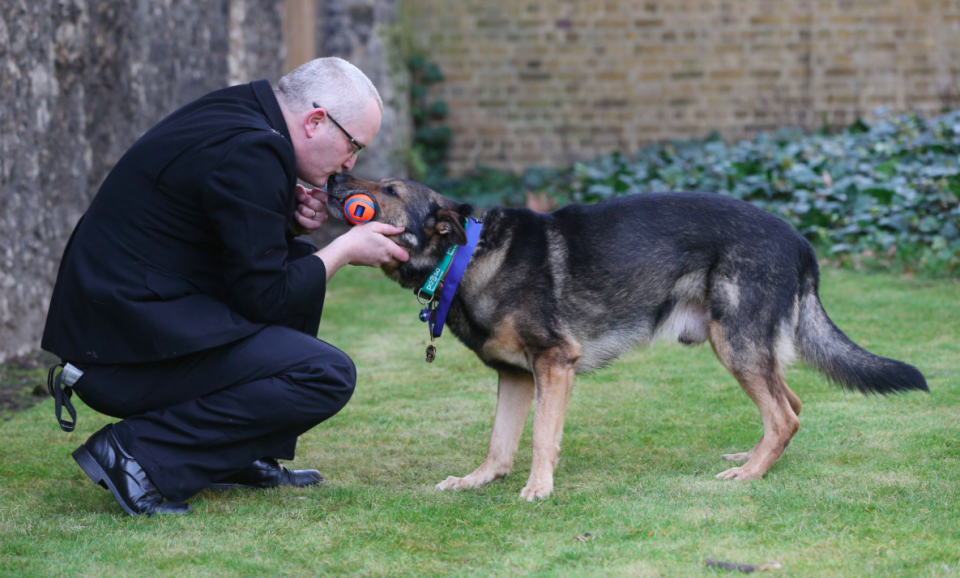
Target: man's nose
(349,163)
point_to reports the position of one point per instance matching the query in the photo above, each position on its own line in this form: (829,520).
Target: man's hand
(312,208)
(363,245)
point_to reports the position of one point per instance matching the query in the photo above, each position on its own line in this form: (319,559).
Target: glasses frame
(350,138)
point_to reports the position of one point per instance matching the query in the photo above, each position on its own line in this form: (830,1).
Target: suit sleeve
(249,201)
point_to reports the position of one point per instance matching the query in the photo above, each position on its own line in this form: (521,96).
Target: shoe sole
(90,467)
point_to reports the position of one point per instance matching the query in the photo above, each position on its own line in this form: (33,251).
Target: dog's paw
(454,484)
(536,492)
(742,456)
(741,474)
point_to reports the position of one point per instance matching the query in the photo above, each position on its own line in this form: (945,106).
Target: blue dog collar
(458,267)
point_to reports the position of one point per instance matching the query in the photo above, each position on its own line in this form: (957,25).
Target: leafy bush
(887,192)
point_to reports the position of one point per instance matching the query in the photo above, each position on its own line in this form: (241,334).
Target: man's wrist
(333,256)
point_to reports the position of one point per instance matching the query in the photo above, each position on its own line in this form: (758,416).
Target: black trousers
(192,420)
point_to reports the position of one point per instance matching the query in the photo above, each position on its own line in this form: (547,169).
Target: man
(189,305)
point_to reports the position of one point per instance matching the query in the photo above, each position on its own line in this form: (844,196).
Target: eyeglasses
(352,140)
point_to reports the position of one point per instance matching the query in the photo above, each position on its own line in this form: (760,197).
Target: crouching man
(190,306)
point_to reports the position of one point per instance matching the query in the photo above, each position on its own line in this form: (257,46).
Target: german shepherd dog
(549,296)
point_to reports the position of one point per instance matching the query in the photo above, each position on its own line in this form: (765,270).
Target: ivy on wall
(432,135)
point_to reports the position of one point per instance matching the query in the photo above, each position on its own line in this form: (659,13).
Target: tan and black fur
(550,296)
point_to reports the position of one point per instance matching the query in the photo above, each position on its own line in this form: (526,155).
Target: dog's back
(618,274)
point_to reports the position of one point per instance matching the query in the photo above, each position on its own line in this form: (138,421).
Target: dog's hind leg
(761,379)
(792,398)
(554,373)
(780,423)
(742,456)
(795,405)
(514,395)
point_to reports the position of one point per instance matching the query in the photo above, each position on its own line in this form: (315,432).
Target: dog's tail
(823,346)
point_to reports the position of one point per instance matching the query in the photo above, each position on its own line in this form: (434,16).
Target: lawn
(869,486)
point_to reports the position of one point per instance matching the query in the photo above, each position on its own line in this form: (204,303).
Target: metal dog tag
(431,353)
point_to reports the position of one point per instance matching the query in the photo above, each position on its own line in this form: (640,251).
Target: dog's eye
(390,191)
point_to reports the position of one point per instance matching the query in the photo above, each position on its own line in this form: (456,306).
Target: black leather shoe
(108,464)
(267,473)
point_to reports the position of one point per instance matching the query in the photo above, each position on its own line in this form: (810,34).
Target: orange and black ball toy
(359,209)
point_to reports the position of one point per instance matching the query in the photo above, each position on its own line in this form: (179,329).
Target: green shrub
(887,193)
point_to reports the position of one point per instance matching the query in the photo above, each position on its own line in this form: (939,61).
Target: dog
(549,296)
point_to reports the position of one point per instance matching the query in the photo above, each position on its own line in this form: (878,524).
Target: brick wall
(552,81)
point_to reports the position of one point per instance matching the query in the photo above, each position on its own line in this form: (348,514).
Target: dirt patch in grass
(23,382)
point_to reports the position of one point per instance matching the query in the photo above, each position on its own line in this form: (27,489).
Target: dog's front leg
(554,380)
(514,395)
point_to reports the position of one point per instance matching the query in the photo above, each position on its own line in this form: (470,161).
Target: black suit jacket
(185,245)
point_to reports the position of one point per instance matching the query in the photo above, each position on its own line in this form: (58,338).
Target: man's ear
(313,121)
(448,223)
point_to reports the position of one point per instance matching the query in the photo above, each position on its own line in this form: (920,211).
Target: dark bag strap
(61,397)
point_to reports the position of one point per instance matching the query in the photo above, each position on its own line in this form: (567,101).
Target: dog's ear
(450,222)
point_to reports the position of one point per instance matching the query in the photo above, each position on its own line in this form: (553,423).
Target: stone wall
(552,81)
(361,31)
(80,80)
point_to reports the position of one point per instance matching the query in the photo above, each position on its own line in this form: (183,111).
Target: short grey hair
(333,83)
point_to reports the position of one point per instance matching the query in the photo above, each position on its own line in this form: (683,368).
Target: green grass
(869,486)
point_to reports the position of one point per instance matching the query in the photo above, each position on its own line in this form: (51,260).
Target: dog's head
(432,222)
